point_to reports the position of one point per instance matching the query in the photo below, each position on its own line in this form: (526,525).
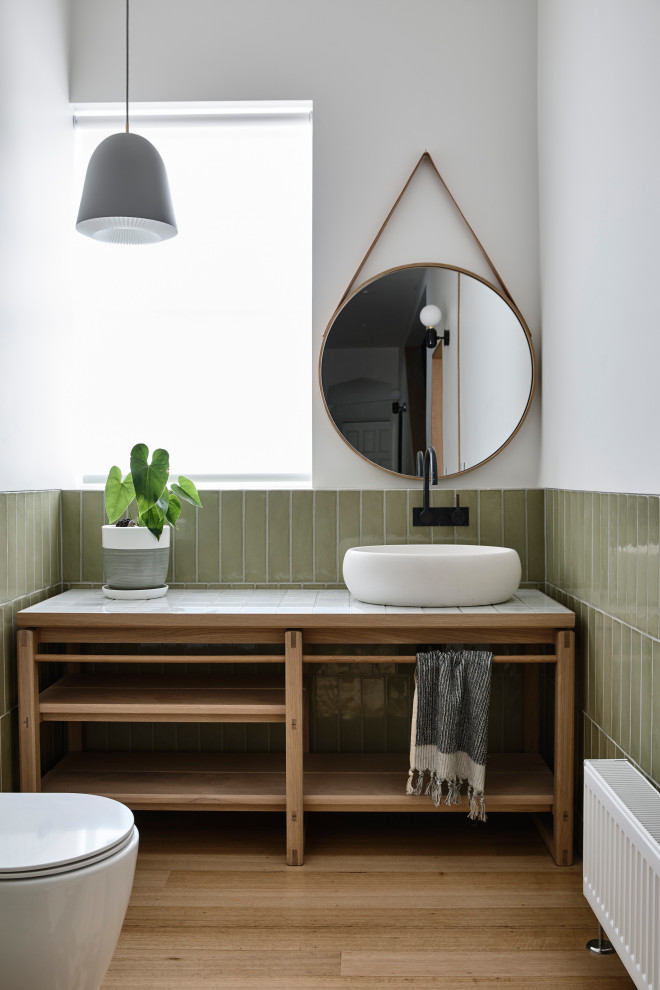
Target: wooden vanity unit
(290,630)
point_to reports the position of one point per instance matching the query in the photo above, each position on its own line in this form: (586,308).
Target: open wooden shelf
(375,782)
(184,781)
(366,782)
(163,698)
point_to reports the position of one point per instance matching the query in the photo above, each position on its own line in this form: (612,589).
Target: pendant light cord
(127,66)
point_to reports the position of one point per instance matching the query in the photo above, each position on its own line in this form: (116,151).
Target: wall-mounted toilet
(66,870)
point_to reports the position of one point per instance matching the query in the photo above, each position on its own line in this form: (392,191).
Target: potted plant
(136,543)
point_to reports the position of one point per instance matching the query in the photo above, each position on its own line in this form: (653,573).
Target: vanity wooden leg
(28,712)
(294,748)
(564,742)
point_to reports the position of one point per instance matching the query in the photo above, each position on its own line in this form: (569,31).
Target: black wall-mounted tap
(444,515)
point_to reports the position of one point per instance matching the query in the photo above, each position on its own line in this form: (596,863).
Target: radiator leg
(601,946)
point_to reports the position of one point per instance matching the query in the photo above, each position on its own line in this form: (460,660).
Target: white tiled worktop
(274,602)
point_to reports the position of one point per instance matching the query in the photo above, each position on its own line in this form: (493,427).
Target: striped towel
(449,735)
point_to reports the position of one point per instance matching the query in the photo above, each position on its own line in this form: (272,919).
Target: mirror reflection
(427,354)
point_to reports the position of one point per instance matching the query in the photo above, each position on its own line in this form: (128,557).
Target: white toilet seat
(43,835)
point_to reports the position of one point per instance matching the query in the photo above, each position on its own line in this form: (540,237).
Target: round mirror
(427,355)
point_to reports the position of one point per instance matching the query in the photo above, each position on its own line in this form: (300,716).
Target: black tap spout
(430,474)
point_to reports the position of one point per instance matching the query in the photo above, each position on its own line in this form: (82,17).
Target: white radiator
(622,864)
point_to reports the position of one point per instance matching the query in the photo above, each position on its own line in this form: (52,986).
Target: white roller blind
(202,344)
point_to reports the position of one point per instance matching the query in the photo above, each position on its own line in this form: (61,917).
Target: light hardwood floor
(414,901)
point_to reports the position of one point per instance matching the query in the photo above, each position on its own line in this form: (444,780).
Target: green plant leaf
(174,509)
(118,494)
(187,491)
(154,520)
(149,479)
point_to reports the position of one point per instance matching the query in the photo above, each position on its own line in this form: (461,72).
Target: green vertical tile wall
(603,562)
(30,554)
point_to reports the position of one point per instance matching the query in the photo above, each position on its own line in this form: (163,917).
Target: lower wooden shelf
(256,782)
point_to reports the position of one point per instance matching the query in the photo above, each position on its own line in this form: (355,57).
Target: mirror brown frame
(463,271)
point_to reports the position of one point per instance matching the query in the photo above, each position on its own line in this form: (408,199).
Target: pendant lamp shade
(126,195)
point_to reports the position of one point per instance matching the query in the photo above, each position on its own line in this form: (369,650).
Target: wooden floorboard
(382,901)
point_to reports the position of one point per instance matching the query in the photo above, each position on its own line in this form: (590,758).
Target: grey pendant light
(126,195)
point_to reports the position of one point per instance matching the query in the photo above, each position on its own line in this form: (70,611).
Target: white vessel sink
(436,575)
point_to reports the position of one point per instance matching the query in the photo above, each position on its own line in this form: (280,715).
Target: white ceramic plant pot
(133,559)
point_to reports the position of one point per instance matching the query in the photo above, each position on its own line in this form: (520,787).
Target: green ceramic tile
(71,557)
(623,738)
(655,738)
(621,557)
(325,707)
(549,534)
(468,498)
(187,737)
(512,709)
(257,737)
(21,585)
(41,570)
(276,737)
(495,717)
(12,548)
(8,779)
(208,538)
(594,652)
(348,522)
(615,722)
(642,563)
(535,535)
(8,651)
(443,498)
(587,585)
(417,534)
(233,737)
(612,538)
(373,714)
(515,525)
(635,695)
(490,518)
(577,544)
(653,574)
(595,590)
(561,539)
(119,737)
(398,709)
(373,517)
(600,558)
(325,536)
(646,704)
(4,661)
(231,528)
(93,518)
(350,713)
(396,516)
(630,559)
(302,536)
(165,736)
(142,737)
(184,548)
(605,661)
(256,536)
(30,544)
(4,537)
(210,737)
(279,541)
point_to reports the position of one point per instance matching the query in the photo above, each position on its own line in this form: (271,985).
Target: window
(203,343)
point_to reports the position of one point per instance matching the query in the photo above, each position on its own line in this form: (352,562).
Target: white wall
(35,181)
(599,150)
(388,80)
